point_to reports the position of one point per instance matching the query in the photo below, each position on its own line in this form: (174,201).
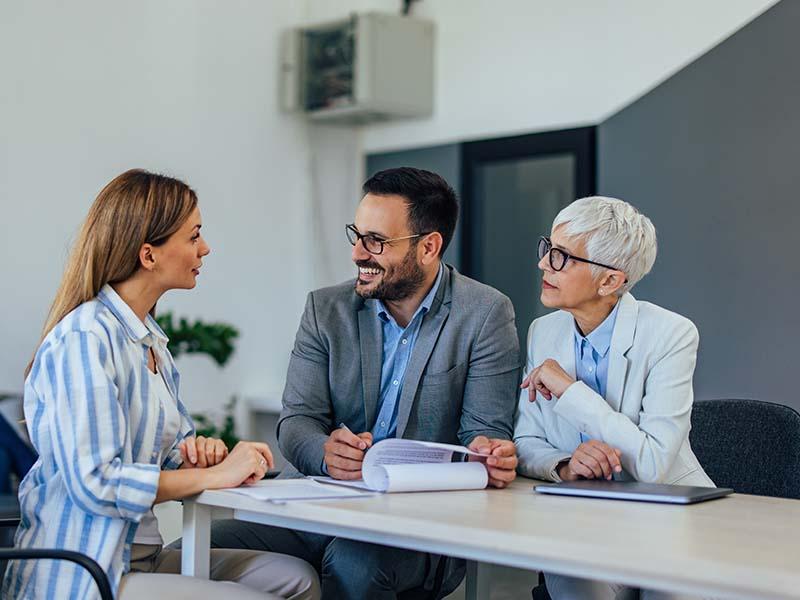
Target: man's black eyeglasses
(371,243)
(559,257)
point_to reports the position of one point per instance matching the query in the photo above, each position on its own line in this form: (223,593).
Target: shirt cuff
(137,489)
(554,471)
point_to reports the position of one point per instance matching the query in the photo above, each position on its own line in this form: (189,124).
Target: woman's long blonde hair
(135,208)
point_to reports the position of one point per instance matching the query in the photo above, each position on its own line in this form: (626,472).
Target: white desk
(736,547)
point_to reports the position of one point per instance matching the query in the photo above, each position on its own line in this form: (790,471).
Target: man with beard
(410,349)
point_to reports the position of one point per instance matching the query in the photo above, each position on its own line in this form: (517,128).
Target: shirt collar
(424,306)
(136,330)
(600,338)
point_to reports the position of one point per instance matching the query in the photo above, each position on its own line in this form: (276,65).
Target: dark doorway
(511,190)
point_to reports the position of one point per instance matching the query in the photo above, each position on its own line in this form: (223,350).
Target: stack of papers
(280,491)
(392,465)
(397,465)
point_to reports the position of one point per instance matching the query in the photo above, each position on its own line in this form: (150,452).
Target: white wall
(187,87)
(518,66)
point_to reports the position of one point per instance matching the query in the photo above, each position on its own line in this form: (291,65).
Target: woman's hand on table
(248,462)
(202,452)
(591,460)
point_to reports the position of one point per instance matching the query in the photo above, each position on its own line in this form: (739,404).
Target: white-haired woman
(608,391)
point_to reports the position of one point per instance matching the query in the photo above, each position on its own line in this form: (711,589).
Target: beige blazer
(648,404)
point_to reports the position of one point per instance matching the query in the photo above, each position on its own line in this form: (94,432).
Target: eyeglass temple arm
(591,262)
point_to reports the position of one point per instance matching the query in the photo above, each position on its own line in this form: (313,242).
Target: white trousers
(240,574)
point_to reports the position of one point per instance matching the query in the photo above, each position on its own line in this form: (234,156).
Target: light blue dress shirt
(398,343)
(98,428)
(591,356)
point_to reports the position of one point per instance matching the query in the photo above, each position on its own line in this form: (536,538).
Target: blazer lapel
(370,337)
(621,342)
(426,341)
(563,345)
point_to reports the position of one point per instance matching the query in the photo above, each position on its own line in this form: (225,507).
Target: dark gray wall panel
(444,160)
(711,156)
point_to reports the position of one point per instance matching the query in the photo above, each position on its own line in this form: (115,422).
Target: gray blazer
(461,380)
(648,405)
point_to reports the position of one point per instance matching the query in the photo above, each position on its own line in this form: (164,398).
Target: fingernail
(618,469)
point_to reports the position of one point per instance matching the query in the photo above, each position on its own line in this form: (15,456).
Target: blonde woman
(103,411)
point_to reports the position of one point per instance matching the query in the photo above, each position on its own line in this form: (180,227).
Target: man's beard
(396,284)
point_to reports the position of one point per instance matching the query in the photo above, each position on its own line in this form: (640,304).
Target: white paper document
(287,490)
(397,465)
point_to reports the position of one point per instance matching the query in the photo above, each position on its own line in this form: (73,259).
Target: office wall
(520,66)
(187,87)
(711,156)
(444,160)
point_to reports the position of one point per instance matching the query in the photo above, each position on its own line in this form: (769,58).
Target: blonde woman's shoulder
(90,317)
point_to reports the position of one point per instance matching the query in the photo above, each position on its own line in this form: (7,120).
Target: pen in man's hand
(346,428)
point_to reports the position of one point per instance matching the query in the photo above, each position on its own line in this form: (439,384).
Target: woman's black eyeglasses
(559,257)
(373,244)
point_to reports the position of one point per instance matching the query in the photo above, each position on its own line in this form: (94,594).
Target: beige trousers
(240,574)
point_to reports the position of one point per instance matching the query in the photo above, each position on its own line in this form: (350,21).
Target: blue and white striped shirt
(98,430)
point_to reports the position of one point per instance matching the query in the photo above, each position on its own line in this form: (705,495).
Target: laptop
(633,490)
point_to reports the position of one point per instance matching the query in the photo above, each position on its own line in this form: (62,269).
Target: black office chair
(9,519)
(97,573)
(748,445)
(540,591)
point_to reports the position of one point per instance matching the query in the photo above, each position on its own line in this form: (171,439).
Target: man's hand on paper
(344,453)
(501,464)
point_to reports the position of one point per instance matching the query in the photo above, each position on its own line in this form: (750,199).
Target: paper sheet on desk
(397,465)
(287,490)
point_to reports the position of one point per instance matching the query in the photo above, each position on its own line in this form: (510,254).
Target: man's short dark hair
(432,203)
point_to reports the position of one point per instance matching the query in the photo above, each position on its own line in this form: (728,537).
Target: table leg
(478,581)
(196,555)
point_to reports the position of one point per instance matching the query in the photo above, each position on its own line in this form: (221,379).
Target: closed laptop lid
(633,490)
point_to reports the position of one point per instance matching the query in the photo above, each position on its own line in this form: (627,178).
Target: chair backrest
(95,570)
(748,445)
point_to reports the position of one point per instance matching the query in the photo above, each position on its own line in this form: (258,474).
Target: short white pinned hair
(615,234)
